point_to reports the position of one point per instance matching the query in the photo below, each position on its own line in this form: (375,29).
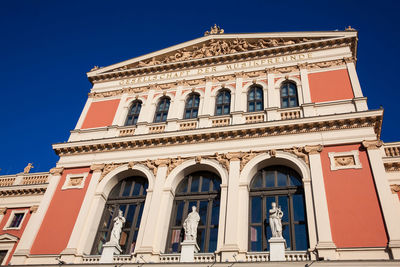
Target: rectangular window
(16,220)
(3,254)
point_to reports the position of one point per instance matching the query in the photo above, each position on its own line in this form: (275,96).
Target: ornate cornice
(392,166)
(224,134)
(372,144)
(213,53)
(19,191)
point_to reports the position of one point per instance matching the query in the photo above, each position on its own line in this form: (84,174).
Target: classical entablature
(224,49)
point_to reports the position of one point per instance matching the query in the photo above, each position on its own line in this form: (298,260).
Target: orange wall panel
(59,221)
(330,86)
(100,114)
(354,210)
(18,232)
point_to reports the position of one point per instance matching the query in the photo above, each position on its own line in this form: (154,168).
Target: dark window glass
(162,110)
(283,186)
(255,99)
(129,197)
(289,95)
(3,254)
(16,220)
(192,106)
(202,190)
(133,113)
(223,103)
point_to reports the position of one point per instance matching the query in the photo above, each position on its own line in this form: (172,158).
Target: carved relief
(392,166)
(214,30)
(108,168)
(56,170)
(97,167)
(345,160)
(395,188)
(326,64)
(372,144)
(299,152)
(74,181)
(34,208)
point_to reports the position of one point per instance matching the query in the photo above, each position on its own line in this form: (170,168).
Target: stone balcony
(23,184)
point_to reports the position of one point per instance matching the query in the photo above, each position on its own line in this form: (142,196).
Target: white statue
(275,217)
(117,228)
(190,224)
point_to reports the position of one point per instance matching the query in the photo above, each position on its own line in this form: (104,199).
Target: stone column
(231,243)
(390,207)
(237,109)
(325,246)
(308,195)
(70,253)
(24,246)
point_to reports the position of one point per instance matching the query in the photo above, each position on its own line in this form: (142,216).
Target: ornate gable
(7,238)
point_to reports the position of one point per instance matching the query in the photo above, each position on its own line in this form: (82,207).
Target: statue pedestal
(109,250)
(188,248)
(277,246)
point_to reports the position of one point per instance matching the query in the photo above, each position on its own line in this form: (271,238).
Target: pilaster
(355,83)
(239,93)
(120,115)
(305,85)
(271,89)
(390,207)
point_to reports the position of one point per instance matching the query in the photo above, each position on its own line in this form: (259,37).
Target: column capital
(303,66)
(314,149)
(97,167)
(3,211)
(239,74)
(372,144)
(33,208)
(56,170)
(349,59)
(271,70)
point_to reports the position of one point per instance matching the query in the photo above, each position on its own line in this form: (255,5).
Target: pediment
(219,45)
(7,238)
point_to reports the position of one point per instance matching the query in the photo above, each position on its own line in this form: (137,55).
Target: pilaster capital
(239,74)
(271,70)
(3,211)
(395,188)
(97,167)
(372,144)
(349,59)
(303,66)
(209,78)
(34,208)
(315,149)
(234,156)
(56,170)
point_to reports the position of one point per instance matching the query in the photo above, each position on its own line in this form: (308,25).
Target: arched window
(133,113)
(223,103)
(200,189)
(289,95)
(192,106)
(129,196)
(255,99)
(162,110)
(283,186)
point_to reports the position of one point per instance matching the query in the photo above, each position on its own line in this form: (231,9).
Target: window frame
(11,217)
(253,89)
(277,191)
(193,107)
(289,96)
(223,104)
(162,112)
(135,115)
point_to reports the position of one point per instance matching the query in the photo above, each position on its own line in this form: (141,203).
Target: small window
(16,219)
(162,110)
(289,95)
(133,113)
(223,103)
(192,106)
(255,99)
(3,254)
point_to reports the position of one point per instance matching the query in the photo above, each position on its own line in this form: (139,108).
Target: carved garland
(395,188)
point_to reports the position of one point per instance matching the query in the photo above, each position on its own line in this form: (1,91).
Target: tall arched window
(192,106)
(255,99)
(133,113)
(162,110)
(283,186)
(129,196)
(200,189)
(223,103)
(289,95)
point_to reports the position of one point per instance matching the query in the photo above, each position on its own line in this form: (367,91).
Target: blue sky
(47,47)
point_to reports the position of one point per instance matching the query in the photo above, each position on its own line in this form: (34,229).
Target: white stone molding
(7,242)
(273,99)
(120,109)
(34,223)
(390,206)
(72,178)
(305,85)
(84,113)
(239,95)
(145,115)
(127,103)
(11,217)
(281,158)
(352,164)
(355,83)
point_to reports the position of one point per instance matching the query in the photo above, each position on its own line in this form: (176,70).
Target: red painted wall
(354,210)
(17,233)
(330,86)
(100,114)
(59,221)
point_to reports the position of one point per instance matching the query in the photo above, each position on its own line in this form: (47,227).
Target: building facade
(228,123)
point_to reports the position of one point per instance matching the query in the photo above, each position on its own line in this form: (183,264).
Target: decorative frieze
(392,166)
(345,160)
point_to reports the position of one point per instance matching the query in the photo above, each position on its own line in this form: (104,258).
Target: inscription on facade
(215,69)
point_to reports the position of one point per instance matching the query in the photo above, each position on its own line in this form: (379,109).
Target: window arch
(133,113)
(289,97)
(200,189)
(255,99)
(192,106)
(283,186)
(162,110)
(129,196)
(223,102)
